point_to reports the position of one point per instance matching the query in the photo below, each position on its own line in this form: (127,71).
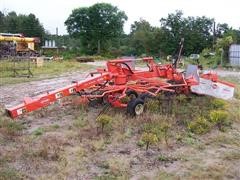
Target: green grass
(9,173)
(165,175)
(50,69)
(38,131)
(10,127)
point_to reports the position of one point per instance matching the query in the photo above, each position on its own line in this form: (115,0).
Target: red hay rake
(118,80)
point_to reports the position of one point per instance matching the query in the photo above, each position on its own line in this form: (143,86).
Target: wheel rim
(139,109)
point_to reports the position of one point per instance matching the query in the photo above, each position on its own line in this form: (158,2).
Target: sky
(53,13)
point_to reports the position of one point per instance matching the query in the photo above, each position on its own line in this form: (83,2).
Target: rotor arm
(31,104)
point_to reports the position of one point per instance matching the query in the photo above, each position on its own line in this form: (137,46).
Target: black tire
(135,107)
(145,96)
(132,94)
(95,102)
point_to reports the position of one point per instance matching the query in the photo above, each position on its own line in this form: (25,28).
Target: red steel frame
(113,83)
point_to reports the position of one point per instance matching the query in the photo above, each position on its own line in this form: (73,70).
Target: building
(234,55)
(51,47)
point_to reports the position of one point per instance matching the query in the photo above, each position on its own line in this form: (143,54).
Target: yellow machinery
(17,44)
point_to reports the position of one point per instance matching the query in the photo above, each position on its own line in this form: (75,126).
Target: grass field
(181,137)
(50,69)
(186,141)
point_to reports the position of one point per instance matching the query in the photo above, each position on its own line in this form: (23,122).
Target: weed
(232,156)
(218,103)
(98,145)
(149,138)
(165,129)
(179,137)
(159,127)
(140,143)
(118,167)
(38,132)
(80,152)
(80,122)
(220,118)
(210,172)
(106,177)
(153,127)
(50,148)
(167,158)
(9,173)
(164,158)
(225,139)
(166,176)
(10,127)
(55,126)
(104,120)
(44,150)
(152,106)
(181,98)
(189,139)
(50,128)
(128,133)
(233,111)
(104,165)
(199,126)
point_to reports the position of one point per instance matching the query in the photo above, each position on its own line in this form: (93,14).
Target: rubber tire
(132,105)
(145,96)
(131,92)
(95,102)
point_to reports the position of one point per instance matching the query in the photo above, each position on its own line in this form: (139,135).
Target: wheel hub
(139,109)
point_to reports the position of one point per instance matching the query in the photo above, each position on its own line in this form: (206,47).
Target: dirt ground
(66,143)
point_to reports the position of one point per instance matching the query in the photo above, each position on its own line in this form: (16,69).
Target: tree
(141,36)
(222,29)
(96,26)
(28,25)
(195,30)
(31,26)
(222,46)
(2,23)
(173,28)
(235,34)
(197,34)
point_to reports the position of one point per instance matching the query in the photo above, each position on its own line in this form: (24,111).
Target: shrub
(199,126)
(140,143)
(98,145)
(118,167)
(166,158)
(165,129)
(181,98)
(219,118)
(154,128)
(104,120)
(80,121)
(153,106)
(149,138)
(50,148)
(218,103)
